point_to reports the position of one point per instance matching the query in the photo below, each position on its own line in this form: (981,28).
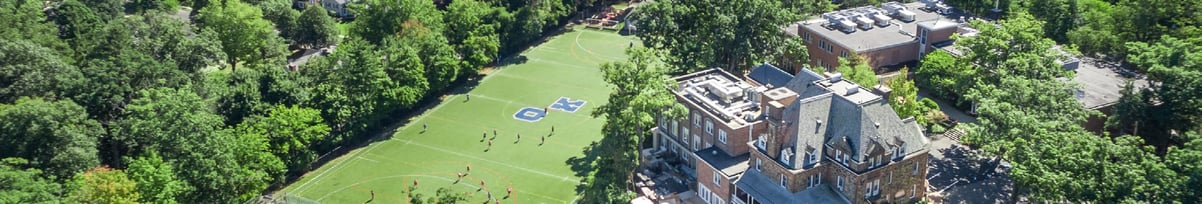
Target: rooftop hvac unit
(836,77)
(853,89)
(881,19)
(864,23)
(892,7)
(905,15)
(847,26)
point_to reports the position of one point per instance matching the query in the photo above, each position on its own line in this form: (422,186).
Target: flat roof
(879,37)
(729,165)
(844,88)
(766,190)
(720,94)
(1101,84)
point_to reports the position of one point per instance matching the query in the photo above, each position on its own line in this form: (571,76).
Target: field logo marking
(530,114)
(567,105)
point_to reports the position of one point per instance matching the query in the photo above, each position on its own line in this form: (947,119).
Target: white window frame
(915,169)
(709,126)
(715,177)
(839,183)
(815,179)
(684,133)
(814,156)
(890,177)
(784,157)
(760,143)
(722,136)
(758,164)
(784,182)
(913,190)
(839,155)
(696,118)
(696,143)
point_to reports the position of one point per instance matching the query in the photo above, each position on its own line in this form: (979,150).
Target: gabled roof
(768,75)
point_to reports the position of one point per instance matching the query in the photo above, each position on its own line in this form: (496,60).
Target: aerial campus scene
(600,101)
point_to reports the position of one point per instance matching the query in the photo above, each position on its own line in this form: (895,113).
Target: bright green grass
(567,65)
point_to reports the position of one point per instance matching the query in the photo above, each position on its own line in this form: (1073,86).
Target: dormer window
(839,155)
(814,156)
(785,157)
(760,143)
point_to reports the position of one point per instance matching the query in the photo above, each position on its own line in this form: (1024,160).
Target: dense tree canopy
(55,136)
(314,28)
(25,185)
(245,36)
(103,185)
(737,34)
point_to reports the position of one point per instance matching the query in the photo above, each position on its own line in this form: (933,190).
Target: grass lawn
(344,28)
(565,66)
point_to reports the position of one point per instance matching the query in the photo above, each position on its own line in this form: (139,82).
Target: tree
(856,70)
(737,34)
(944,76)
(446,195)
(347,87)
(292,133)
(147,5)
(217,164)
(388,17)
(103,185)
(315,28)
(108,10)
(156,179)
(21,19)
(245,36)
(56,136)
(74,20)
(904,97)
(640,95)
(237,96)
(282,15)
(473,36)
(27,69)
(1015,47)
(25,185)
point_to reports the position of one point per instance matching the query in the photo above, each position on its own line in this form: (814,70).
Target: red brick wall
(705,176)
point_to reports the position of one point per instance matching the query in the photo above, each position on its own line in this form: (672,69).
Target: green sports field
(566,65)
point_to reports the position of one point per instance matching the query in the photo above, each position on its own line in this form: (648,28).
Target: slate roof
(768,75)
(768,191)
(850,118)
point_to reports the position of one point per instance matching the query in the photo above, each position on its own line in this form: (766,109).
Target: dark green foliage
(315,29)
(245,36)
(27,69)
(55,136)
(156,179)
(25,185)
(737,34)
(24,19)
(292,133)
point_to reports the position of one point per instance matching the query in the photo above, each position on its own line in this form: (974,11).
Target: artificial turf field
(567,65)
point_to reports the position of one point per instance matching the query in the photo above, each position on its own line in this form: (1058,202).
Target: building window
(684,135)
(839,183)
(784,157)
(805,36)
(839,155)
(715,177)
(815,179)
(814,157)
(784,182)
(913,190)
(675,128)
(878,160)
(915,169)
(760,143)
(890,177)
(758,164)
(709,126)
(696,142)
(843,54)
(722,136)
(696,119)
(846,158)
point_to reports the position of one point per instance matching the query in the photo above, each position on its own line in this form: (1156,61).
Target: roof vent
(878,125)
(836,77)
(853,89)
(713,152)
(819,122)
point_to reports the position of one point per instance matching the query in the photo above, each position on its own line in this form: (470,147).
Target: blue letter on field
(530,114)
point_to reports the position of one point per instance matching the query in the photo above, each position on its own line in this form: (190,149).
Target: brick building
(891,34)
(778,138)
